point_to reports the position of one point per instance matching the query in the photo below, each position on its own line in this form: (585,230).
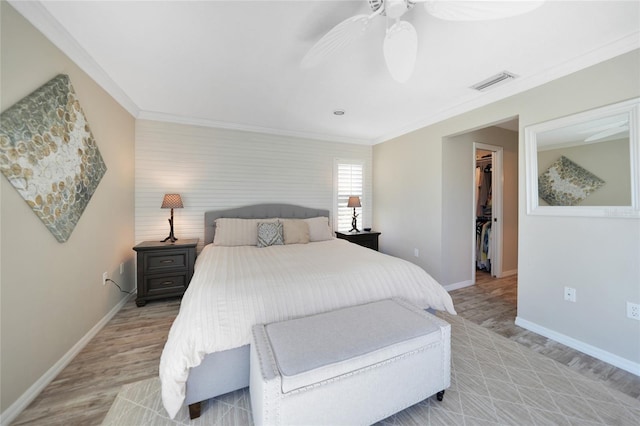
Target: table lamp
(354,202)
(172,201)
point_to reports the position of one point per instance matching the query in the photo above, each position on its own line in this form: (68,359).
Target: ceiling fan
(401,41)
(607,130)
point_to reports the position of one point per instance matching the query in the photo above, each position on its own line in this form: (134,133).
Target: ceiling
(235,64)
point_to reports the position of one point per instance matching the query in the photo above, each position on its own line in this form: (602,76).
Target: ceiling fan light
(395,8)
(479,10)
(400,50)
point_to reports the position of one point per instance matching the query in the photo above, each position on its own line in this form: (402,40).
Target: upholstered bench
(355,365)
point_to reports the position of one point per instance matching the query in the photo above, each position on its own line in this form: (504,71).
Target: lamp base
(171,236)
(354,222)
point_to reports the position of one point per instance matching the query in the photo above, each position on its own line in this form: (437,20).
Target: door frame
(497,189)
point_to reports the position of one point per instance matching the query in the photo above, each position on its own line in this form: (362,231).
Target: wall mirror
(586,164)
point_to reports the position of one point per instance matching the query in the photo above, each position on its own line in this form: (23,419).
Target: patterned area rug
(494,381)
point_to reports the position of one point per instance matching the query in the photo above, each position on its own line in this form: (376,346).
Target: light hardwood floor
(492,303)
(128,350)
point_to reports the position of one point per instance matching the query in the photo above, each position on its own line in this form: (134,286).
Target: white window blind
(349,183)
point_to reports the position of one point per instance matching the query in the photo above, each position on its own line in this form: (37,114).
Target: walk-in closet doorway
(487,209)
(461,206)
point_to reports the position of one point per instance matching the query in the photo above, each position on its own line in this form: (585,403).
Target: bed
(237,284)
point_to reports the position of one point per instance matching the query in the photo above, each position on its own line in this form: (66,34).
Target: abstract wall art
(49,155)
(565,183)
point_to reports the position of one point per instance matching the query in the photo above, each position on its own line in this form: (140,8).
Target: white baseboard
(8,415)
(455,286)
(602,355)
(509,273)
(467,283)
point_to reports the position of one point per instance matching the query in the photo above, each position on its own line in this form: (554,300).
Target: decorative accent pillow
(270,234)
(237,232)
(319,229)
(565,183)
(296,231)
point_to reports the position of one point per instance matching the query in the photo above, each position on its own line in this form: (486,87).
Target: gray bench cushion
(315,348)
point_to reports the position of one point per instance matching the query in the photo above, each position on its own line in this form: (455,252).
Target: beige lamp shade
(354,202)
(172,201)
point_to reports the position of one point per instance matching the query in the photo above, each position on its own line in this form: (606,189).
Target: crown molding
(171,118)
(596,56)
(39,16)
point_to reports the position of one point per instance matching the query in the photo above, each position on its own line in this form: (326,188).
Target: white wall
(52,293)
(597,256)
(217,169)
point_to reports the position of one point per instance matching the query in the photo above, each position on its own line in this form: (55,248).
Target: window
(349,176)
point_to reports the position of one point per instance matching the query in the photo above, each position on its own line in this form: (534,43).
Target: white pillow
(296,231)
(319,229)
(237,232)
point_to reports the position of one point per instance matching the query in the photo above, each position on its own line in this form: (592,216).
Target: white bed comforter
(234,288)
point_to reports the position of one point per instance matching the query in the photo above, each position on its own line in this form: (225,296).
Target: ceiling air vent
(495,80)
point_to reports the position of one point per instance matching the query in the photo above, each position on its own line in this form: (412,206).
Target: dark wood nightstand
(164,269)
(363,238)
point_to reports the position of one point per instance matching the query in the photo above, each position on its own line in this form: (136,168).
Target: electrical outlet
(633,310)
(416,252)
(570,294)
(105,276)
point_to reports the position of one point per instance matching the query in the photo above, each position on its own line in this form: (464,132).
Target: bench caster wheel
(440,395)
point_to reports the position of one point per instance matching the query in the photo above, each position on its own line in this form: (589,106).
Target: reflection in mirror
(593,156)
(585,164)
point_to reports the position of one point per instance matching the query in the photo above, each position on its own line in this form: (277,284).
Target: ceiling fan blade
(607,126)
(454,10)
(400,50)
(606,133)
(339,36)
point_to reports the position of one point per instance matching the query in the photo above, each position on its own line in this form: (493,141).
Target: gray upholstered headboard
(258,211)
